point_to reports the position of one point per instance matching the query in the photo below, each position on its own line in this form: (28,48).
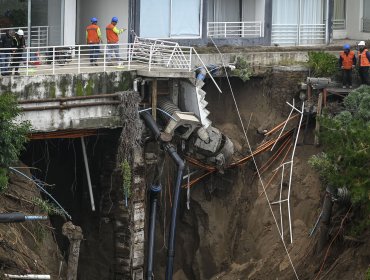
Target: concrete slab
(165,74)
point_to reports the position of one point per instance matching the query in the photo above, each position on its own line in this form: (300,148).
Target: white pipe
(27,276)
(291,172)
(88,174)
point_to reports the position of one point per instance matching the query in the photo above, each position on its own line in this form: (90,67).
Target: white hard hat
(362,43)
(20,32)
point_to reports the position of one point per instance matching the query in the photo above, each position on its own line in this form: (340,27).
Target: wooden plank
(318,114)
(154,98)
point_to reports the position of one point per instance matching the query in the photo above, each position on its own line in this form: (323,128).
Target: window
(170,18)
(339,15)
(366,17)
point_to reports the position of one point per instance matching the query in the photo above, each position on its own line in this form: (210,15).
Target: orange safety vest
(347,59)
(362,57)
(92,34)
(112,37)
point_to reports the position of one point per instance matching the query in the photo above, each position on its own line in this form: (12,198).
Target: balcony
(339,24)
(298,34)
(244,29)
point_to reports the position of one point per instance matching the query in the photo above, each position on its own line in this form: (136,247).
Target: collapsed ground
(228,233)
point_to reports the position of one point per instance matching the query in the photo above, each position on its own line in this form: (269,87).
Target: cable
(254,161)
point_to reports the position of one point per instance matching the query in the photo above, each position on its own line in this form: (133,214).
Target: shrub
(346,142)
(242,69)
(322,64)
(13,134)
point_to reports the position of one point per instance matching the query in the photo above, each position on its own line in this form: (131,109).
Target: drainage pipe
(175,198)
(154,191)
(19,217)
(170,149)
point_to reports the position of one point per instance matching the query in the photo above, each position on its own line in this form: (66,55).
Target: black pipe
(175,197)
(18,218)
(170,149)
(154,191)
(151,124)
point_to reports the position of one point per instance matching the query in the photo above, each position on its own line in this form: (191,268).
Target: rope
(254,160)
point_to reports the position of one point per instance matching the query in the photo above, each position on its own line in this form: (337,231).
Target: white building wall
(104,11)
(354,15)
(260,10)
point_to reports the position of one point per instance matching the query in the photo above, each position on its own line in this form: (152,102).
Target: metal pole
(327,35)
(29,24)
(88,174)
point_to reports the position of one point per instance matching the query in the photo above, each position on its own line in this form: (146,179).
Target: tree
(13,135)
(346,142)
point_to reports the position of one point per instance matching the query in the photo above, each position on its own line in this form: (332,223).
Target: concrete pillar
(74,235)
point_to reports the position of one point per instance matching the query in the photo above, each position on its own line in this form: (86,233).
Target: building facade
(191,22)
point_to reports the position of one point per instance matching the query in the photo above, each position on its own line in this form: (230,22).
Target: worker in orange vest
(347,62)
(363,62)
(112,33)
(93,38)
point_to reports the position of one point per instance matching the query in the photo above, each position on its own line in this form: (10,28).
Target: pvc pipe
(88,174)
(154,191)
(19,217)
(28,276)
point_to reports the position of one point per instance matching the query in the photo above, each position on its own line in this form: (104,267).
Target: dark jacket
(19,43)
(6,41)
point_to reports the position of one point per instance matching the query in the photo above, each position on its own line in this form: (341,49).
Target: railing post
(105,58)
(130,50)
(243,23)
(190,58)
(28,58)
(79,60)
(260,24)
(39,36)
(150,57)
(225,29)
(53,60)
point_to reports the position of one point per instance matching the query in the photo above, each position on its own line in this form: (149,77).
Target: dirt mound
(29,247)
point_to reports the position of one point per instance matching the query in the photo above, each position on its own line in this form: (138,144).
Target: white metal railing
(244,29)
(365,24)
(339,24)
(298,34)
(142,54)
(39,34)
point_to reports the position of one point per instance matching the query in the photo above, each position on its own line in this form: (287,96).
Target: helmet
(20,32)
(362,43)
(346,47)
(114,19)
(94,20)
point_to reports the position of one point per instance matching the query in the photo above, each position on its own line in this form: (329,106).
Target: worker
(112,33)
(5,53)
(93,38)
(19,44)
(347,62)
(363,62)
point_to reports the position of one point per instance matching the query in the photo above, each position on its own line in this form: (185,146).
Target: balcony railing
(142,54)
(39,34)
(339,24)
(294,34)
(245,29)
(365,24)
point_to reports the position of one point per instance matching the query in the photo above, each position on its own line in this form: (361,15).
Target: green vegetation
(126,178)
(322,64)
(47,207)
(13,135)
(346,141)
(368,274)
(242,69)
